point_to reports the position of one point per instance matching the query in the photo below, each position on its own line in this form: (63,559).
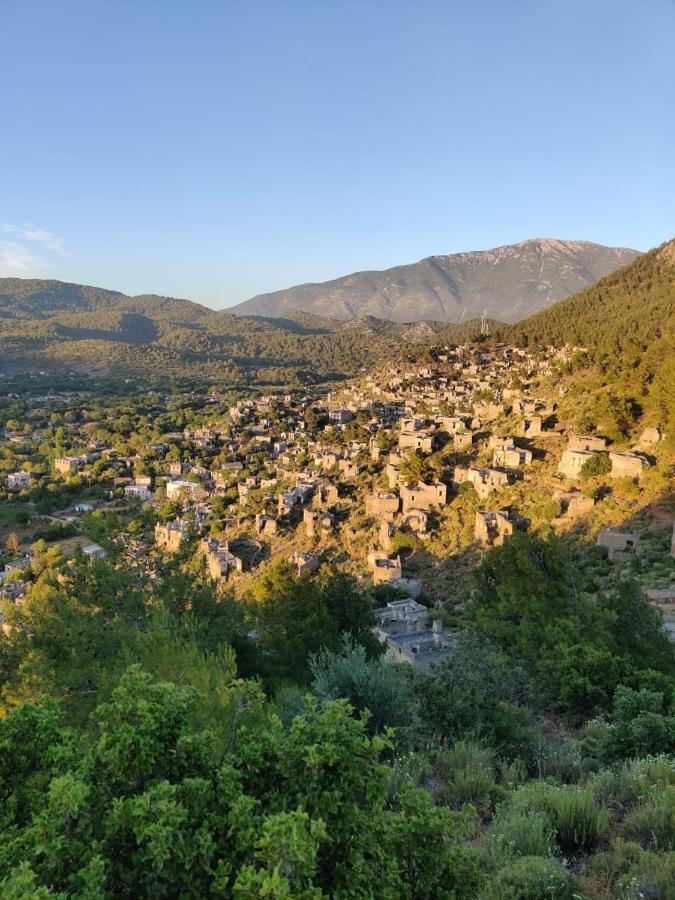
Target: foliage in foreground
(148,806)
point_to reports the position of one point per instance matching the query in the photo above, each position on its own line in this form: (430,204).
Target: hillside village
(361,588)
(401,478)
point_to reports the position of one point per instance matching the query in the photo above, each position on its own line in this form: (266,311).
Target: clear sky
(215,150)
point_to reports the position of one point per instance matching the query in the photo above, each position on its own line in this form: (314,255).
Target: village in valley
(401,478)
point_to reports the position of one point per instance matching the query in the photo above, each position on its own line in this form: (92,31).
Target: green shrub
(513,835)
(652,824)
(640,726)
(652,877)
(577,821)
(625,787)
(532,878)
(630,873)
(596,465)
(467,772)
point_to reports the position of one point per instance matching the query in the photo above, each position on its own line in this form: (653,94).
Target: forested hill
(626,324)
(54,325)
(624,314)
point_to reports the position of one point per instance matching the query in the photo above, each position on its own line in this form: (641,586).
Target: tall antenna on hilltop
(484,327)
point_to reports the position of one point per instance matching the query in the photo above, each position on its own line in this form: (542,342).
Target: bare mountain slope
(507,282)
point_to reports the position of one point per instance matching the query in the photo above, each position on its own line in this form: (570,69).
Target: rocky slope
(507,283)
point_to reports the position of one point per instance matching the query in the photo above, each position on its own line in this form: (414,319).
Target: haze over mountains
(508,283)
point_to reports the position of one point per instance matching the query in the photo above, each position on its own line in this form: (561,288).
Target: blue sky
(215,150)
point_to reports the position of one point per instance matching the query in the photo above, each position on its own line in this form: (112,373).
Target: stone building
(618,544)
(484,480)
(586,442)
(325,496)
(220,560)
(417,520)
(383,505)
(171,535)
(531,426)
(575,504)
(411,636)
(265,524)
(571,462)
(626,465)
(417,440)
(348,468)
(384,570)
(423,496)
(524,407)
(491,528)
(462,440)
(393,469)
(305,562)
(18,481)
(511,457)
(385,534)
(64,465)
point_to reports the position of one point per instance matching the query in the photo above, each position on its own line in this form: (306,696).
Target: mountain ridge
(507,283)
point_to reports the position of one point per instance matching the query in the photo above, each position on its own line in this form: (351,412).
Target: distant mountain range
(507,283)
(56,326)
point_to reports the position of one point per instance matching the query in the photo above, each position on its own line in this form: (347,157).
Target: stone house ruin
(491,528)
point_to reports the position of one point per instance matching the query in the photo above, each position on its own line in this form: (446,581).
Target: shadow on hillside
(293,326)
(134,329)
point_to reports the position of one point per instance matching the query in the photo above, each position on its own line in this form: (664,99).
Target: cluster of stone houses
(583,448)
(290,485)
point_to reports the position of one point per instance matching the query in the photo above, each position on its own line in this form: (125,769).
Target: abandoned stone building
(220,560)
(305,562)
(171,535)
(491,528)
(572,461)
(451,424)
(423,496)
(586,442)
(383,505)
(626,465)
(462,440)
(325,495)
(484,480)
(417,440)
(618,544)
(384,570)
(417,520)
(265,524)
(411,636)
(348,469)
(524,407)
(511,457)
(531,426)
(574,504)
(386,532)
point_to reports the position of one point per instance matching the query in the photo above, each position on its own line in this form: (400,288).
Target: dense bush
(532,878)
(577,821)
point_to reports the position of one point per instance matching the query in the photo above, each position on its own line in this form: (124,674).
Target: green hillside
(54,326)
(625,324)
(619,318)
